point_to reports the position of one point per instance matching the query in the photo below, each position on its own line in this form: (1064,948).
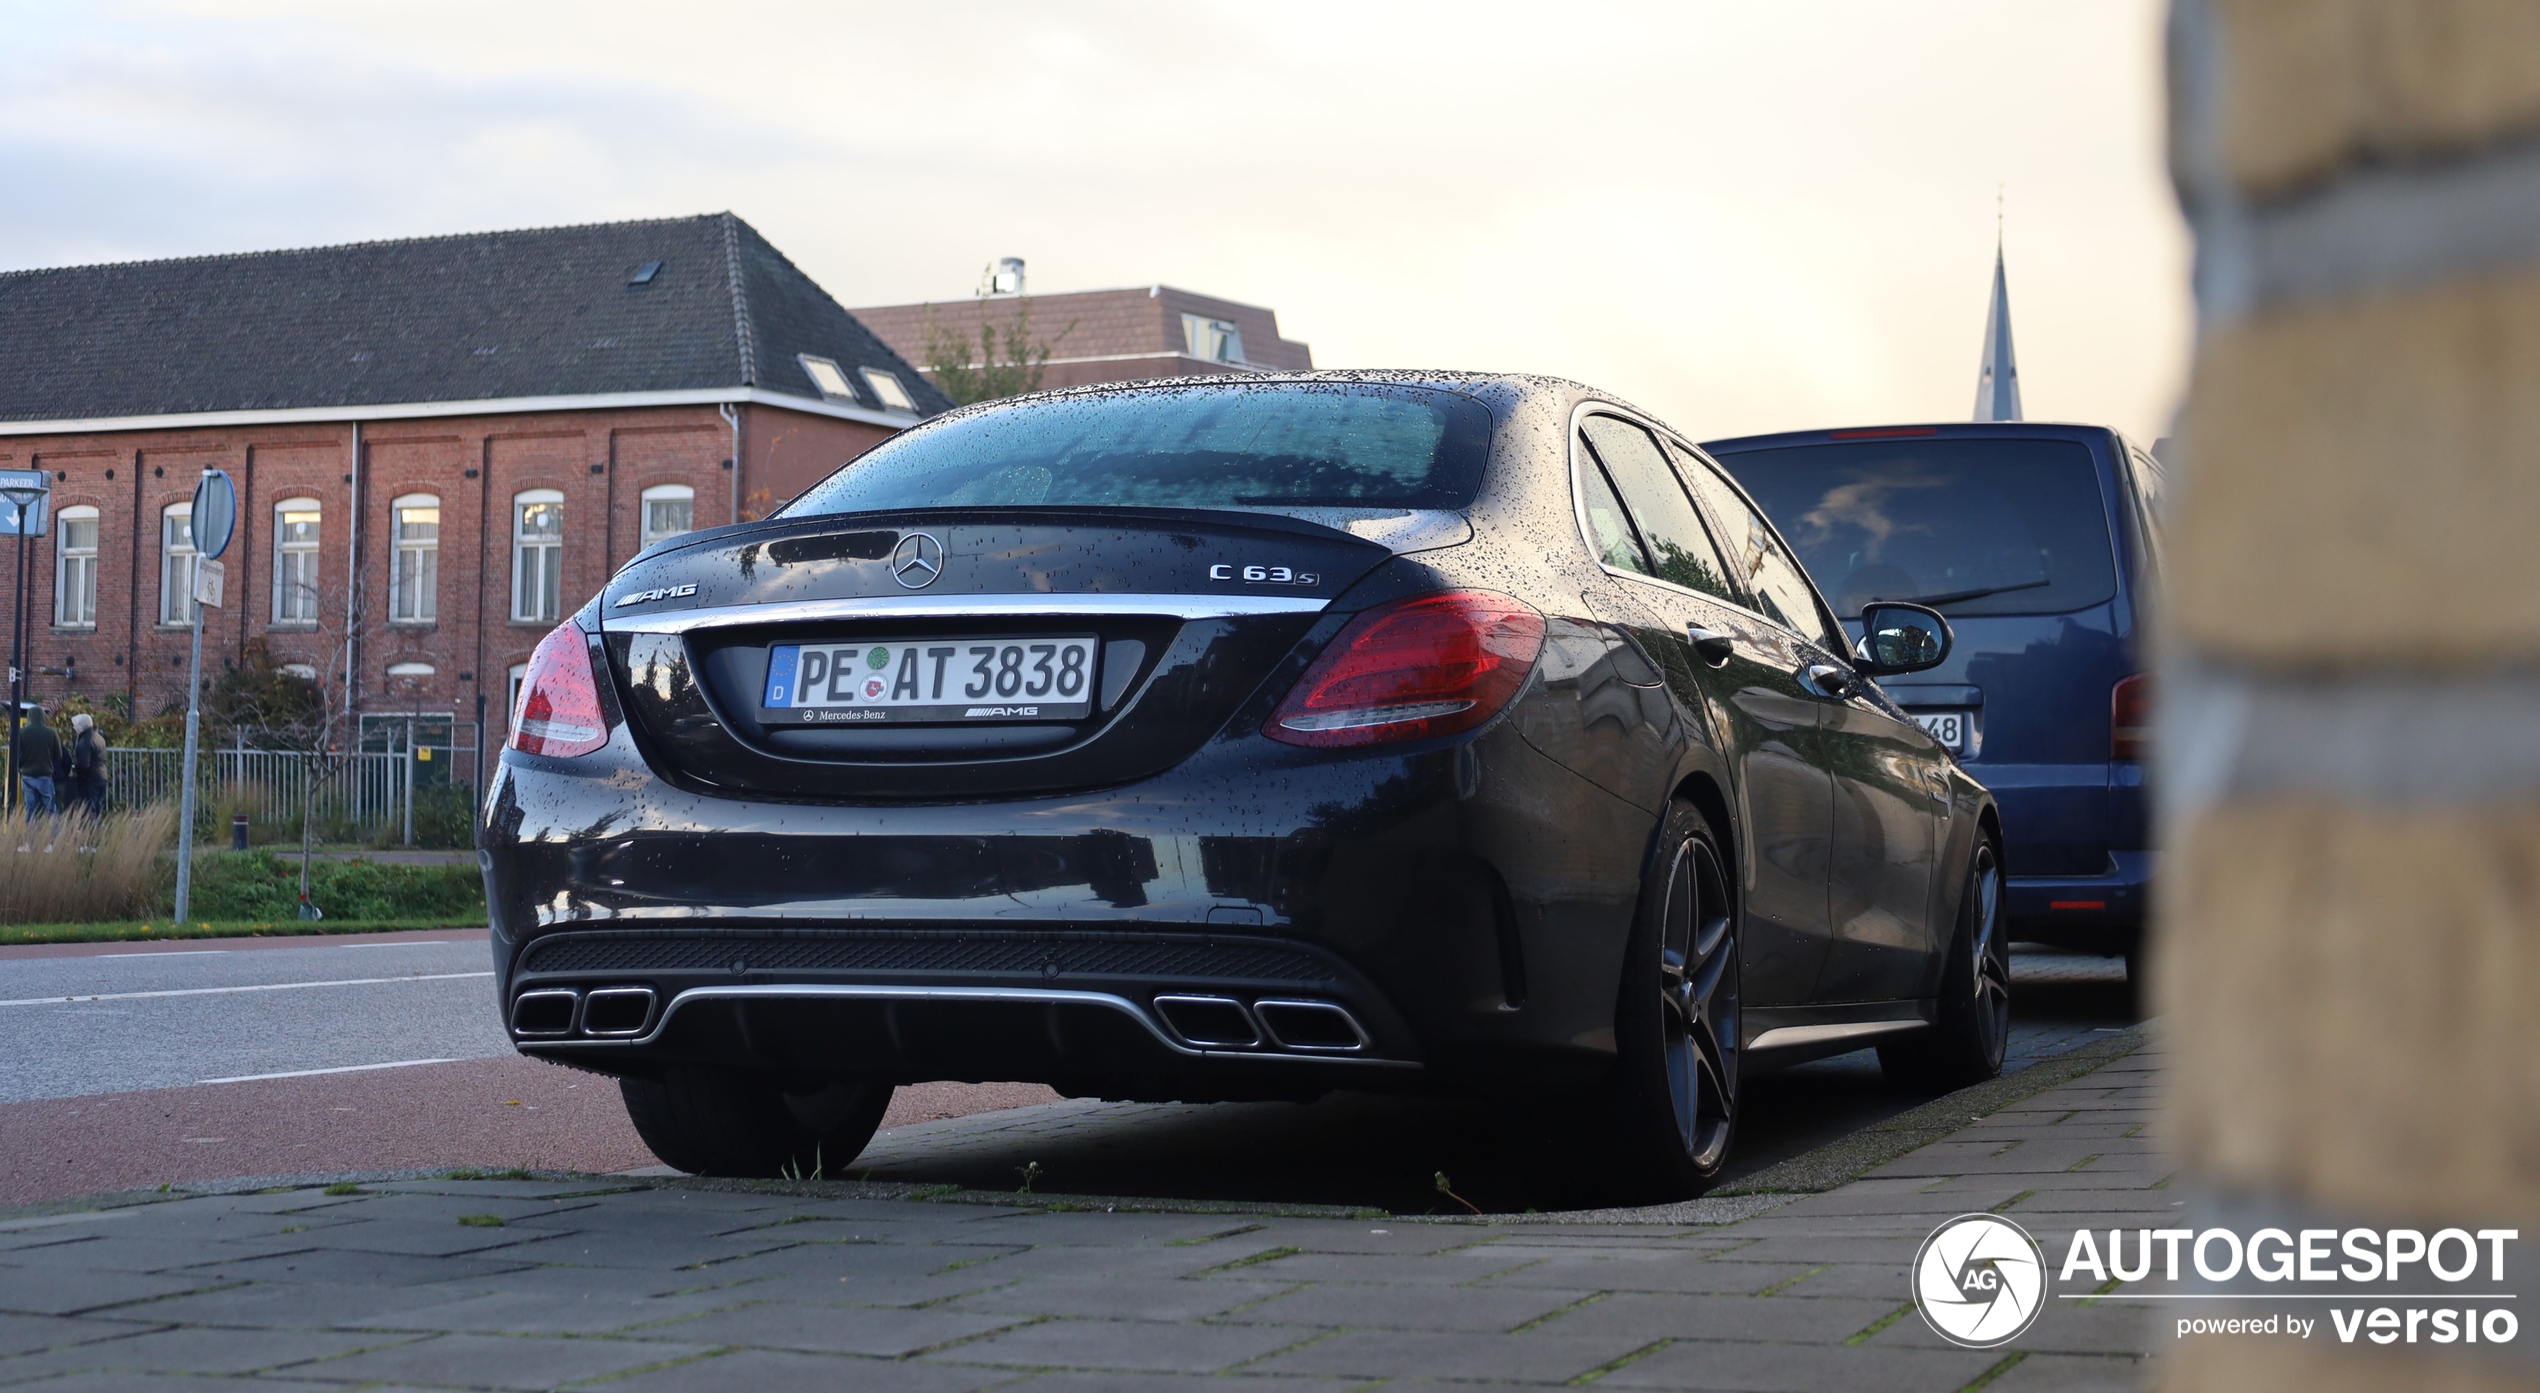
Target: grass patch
(153,930)
(342,1187)
(482,1221)
(263,886)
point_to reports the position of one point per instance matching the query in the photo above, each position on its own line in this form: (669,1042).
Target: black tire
(1675,1091)
(1966,1042)
(713,1122)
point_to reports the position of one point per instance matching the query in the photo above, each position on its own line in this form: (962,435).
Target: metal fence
(369,788)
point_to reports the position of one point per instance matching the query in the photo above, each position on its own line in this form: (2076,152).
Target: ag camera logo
(1979,1281)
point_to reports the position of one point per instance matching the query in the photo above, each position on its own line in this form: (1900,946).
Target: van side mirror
(1899,638)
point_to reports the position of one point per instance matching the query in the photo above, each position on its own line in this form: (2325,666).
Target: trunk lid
(1166,620)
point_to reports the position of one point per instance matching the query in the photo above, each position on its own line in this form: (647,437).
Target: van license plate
(1947,727)
(904,680)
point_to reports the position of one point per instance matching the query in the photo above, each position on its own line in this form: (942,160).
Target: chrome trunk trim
(927,606)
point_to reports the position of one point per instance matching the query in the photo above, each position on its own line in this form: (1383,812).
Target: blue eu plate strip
(780,675)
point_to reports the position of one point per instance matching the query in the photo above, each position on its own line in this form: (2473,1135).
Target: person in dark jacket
(88,765)
(38,749)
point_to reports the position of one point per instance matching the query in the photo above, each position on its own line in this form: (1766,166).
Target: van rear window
(1971,527)
(1268,446)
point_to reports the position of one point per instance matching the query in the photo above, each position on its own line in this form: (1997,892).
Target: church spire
(1998,377)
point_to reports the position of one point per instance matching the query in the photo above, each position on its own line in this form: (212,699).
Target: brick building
(441,445)
(1104,335)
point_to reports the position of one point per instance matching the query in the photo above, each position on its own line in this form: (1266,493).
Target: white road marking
(182,953)
(224,991)
(341,1069)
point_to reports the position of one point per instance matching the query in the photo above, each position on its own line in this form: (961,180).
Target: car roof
(1942,430)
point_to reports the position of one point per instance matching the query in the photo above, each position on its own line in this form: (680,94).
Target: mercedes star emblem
(917,560)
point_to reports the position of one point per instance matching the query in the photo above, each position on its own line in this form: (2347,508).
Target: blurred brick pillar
(2349,951)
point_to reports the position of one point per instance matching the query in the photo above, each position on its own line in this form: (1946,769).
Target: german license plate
(898,681)
(1947,727)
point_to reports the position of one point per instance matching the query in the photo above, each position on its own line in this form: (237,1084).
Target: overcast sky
(1745,216)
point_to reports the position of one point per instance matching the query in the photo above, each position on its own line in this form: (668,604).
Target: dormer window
(888,391)
(826,376)
(1212,340)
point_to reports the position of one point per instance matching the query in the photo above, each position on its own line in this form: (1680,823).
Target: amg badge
(675,592)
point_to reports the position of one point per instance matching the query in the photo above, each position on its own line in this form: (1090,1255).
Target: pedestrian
(88,765)
(38,749)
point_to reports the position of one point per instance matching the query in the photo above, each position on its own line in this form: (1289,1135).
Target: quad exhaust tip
(607,1013)
(1302,1027)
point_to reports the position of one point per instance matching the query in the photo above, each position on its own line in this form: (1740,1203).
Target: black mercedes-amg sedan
(1239,739)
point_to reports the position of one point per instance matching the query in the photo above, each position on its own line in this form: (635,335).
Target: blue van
(2042,544)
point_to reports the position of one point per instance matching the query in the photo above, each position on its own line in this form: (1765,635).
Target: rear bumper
(1417,920)
(2102,913)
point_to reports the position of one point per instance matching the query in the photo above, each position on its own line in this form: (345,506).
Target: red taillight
(1409,669)
(2130,718)
(559,701)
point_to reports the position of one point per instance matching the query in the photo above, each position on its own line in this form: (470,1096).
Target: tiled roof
(481,316)
(1094,324)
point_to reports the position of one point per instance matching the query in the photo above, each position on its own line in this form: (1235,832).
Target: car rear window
(1269,447)
(1971,526)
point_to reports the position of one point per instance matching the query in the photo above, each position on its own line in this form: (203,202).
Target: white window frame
(414,580)
(177,561)
(295,602)
(664,493)
(888,391)
(830,379)
(1212,340)
(537,561)
(75,570)
(511,703)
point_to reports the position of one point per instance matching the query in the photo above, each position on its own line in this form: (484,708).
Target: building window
(826,376)
(75,569)
(176,564)
(669,509)
(295,561)
(1212,340)
(888,391)
(511,698)
(537,556)
(414,588)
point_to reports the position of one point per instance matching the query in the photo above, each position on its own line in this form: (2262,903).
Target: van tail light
(559,699)
(1413,668)
(2130,718)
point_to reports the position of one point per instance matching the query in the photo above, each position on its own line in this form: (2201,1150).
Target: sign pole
(27,490)
(215,515)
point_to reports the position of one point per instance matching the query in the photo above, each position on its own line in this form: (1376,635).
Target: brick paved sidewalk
(641,1285)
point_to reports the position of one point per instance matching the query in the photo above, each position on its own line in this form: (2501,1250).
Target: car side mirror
(1899,638)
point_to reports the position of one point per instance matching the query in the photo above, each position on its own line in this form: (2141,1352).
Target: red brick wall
(601,461)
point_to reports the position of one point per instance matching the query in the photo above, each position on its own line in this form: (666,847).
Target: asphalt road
(129,1018)
(122,1066)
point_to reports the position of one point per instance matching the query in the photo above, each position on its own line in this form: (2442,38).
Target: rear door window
(1681,549)
(1609,527)
(1758,562)
(1973,527)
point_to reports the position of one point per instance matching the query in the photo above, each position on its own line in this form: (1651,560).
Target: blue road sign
(26,490)
(215,512)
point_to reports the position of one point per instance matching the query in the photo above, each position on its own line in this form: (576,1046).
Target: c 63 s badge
(1262,575)
(674,592)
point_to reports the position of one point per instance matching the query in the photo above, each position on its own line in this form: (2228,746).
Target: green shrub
(261,885)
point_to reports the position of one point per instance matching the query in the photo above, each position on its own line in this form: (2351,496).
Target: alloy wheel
(1698,1004)
(1991,956)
